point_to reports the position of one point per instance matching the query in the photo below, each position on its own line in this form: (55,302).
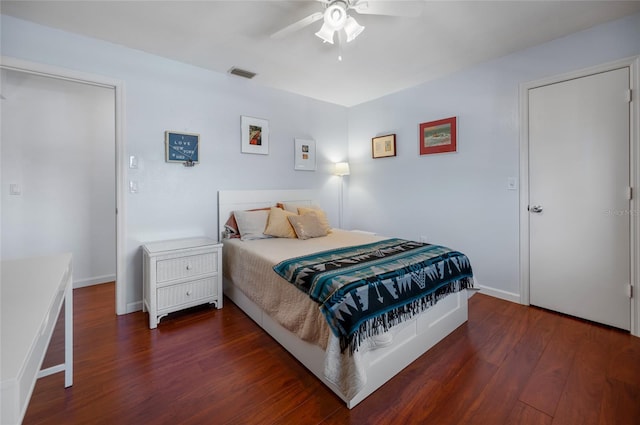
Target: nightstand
(179,274)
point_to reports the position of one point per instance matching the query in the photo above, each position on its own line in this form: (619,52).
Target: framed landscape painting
(438,136)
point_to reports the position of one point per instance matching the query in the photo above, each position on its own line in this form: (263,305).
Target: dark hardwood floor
(509,364)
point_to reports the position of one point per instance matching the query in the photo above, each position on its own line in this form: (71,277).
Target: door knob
(535,209)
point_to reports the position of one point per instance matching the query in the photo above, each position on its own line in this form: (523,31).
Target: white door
(579,219)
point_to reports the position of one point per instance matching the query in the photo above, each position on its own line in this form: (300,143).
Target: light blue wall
(461,199)
(160,94)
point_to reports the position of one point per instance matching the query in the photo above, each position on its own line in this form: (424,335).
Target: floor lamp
(342,169)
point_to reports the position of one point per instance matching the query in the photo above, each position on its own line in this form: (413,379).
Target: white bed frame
(409,341)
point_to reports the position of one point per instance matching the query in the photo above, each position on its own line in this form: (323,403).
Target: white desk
(31,297)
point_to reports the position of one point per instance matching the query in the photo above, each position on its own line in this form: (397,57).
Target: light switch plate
(15,189)
(512,183)
(133,161)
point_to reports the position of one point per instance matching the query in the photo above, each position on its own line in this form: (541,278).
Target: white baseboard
(499,293)
(135,306)
(81,283)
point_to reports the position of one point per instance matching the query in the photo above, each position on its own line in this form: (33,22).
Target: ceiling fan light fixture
(352,28)
(336,15)
(326,33)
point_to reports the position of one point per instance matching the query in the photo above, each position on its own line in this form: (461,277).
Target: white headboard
(231,200)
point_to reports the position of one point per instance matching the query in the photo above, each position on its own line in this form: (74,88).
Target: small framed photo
(438,136)
(255,135)
(383,146)
(304,155)
(181,147)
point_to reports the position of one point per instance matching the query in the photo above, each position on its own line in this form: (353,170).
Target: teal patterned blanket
(364,290)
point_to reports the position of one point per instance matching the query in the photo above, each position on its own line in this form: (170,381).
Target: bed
(352,368)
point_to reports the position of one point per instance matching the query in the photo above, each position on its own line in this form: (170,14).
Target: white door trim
(121,162)
(634,65)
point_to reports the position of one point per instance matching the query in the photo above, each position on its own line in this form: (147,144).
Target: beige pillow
(321,216)
(308,225)
(293,206)
(278,225)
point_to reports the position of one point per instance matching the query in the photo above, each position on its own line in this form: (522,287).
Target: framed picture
(438,136)
(181,147)
(255,135)
(304,155)
(383,146)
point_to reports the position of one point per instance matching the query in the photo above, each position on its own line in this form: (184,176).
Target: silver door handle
(535,209)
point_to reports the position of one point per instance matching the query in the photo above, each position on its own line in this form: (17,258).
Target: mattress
(249,264)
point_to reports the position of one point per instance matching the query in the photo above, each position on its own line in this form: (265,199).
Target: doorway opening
(116,88)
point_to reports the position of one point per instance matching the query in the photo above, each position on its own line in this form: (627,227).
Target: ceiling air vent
(242,73)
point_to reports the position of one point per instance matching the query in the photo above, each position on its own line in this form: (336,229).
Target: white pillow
(251,224)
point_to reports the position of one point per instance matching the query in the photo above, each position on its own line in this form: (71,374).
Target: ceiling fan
(336,17)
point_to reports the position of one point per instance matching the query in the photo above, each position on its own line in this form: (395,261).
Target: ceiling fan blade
(298,25)
(409,9)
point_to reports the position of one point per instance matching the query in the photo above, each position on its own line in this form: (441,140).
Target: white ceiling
(393,53)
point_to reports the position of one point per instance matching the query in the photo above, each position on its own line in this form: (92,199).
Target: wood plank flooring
(509,364)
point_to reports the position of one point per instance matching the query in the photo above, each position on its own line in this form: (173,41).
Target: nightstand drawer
(182,267)
(187,293)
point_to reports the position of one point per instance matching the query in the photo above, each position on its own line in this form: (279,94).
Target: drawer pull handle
(189,292)
(188,266)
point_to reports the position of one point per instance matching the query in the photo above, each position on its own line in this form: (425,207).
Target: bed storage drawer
(183,267)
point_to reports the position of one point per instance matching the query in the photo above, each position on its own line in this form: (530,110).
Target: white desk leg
(68,336)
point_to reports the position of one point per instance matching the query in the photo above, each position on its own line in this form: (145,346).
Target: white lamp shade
(352,29)
(326,34)
(342,168)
